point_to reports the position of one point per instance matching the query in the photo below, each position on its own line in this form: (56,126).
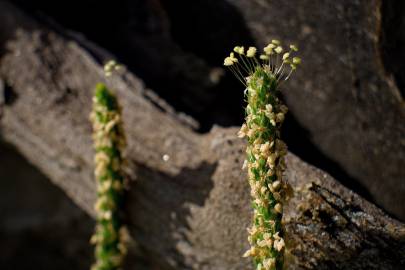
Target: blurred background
(346,102)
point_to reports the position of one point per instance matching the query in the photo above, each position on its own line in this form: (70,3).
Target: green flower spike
(265,151)
(109,141)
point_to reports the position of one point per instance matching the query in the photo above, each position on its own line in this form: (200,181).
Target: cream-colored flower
(293,48)
(269,263)
(279,50)
(243,131)
(296,60)
(271,160)
(279,244)
(251,52)
(278,208)
(245,164)
(265,148)
(276,185)
(276,42)
(239,50)
(268,50)
(228,62)
(264,57)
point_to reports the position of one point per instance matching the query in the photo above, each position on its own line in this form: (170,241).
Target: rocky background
(346,118)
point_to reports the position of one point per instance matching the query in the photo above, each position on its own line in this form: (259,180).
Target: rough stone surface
(347,98)
(191,211)
(39,223)
(343,94)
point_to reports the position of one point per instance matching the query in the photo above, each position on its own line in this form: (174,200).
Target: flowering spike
(265,163)
(109,142)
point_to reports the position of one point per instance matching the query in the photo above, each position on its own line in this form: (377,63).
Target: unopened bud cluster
(110,67)
(109,141)
(265,163)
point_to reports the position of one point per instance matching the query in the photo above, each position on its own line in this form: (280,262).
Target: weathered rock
(191,211)
(39,223)
(144,35)
(343,93)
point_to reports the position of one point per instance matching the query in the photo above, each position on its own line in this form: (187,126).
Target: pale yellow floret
(286,56)
(250,252)
(296,60)
(245,163)
(100,169)
(243,131)
(110,67)
(251,52)
(117,185)
(101,157)
(277,196)
(276,42)
(94,239)
(239,50)
(246,254)
(271,160)
(276,185)
(233,58)
(263,190)
(278,208)
(268,50)
(279,244)
(293,47)
(264,57)
(104,186)
(265,243)
(228,61)
(269,263)
(107,215)
(267,236)
(278,50)
(265,148)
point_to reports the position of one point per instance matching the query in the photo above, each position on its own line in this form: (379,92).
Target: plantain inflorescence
(265,162)
(109,142)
